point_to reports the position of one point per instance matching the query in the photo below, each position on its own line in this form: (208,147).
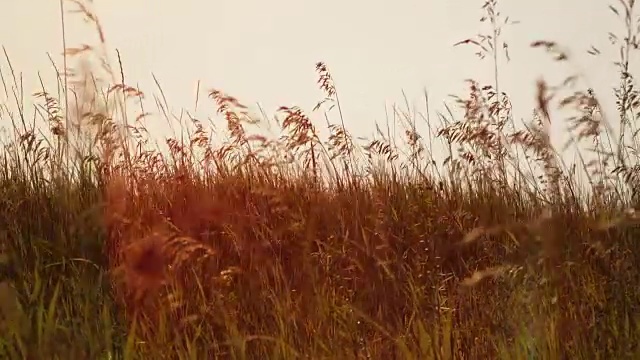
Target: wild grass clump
(299,246)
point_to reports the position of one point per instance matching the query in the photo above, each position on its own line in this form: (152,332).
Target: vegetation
(297,246)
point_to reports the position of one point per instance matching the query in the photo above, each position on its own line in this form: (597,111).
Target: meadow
(304,246)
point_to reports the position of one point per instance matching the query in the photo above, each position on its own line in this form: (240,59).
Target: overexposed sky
(265,51)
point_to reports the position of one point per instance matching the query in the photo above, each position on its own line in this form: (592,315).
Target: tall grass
(298,246)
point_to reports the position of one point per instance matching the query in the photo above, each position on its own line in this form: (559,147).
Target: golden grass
(303,247)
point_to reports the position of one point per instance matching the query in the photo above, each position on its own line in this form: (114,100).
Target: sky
(264,52)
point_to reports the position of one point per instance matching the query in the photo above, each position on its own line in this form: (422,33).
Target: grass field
(322,248)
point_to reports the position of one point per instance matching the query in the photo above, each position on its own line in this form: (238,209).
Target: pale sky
(265,51)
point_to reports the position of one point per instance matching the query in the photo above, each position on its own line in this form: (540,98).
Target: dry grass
(298,246)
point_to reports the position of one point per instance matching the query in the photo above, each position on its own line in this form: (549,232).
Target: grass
(303,247)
